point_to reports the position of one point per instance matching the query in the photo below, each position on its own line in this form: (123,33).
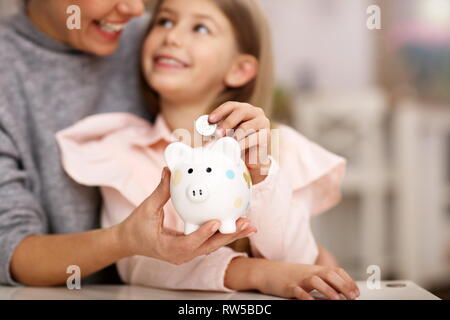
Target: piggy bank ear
(228,147)
(176,153)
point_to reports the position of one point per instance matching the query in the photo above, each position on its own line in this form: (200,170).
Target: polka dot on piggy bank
(177,177)
(247,179)
(238,203)
(230,174)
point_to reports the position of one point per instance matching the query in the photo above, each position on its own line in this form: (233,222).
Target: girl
(197,55)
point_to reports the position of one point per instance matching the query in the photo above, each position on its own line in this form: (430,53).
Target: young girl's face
(192,53)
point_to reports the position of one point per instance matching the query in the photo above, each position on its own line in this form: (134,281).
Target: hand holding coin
(204,127)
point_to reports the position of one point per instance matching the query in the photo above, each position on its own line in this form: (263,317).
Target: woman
(51,77)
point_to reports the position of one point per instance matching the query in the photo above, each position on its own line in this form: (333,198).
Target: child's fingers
(301,294)
(260,124)
(224,110)
(220,112)
(253,140)
(340,285)
(320,285)
(344,275)
(240,134)
(249,142)
(257,157)
(236,117)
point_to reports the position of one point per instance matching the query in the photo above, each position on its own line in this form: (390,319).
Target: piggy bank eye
(208,170)
(190,170)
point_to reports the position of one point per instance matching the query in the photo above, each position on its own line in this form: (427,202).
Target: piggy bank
(207,183)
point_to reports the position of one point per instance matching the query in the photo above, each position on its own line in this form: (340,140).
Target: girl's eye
(201,29)
(190,170)
(208,170)
(166,23)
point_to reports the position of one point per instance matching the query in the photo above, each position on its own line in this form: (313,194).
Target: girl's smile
(169,62)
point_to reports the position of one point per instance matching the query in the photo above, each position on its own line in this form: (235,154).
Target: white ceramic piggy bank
(209,183)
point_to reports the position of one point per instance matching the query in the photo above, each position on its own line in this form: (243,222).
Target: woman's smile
(101,22)
(110,30)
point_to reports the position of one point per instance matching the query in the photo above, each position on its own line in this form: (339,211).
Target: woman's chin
(103,51)
(100,49)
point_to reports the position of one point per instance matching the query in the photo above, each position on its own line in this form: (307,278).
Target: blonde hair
(252,33)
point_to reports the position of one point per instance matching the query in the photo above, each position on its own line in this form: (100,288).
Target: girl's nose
(132,8)
(173,37)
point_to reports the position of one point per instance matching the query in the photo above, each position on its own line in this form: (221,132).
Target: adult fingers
(219,240)
(203,241)
(160,196)
(196,239)
(172,232)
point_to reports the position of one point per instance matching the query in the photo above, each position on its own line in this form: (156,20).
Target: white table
(389,291)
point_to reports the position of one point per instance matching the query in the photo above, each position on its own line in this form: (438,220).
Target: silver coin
(203,127)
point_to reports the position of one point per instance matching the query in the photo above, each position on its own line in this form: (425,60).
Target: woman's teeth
(112,27)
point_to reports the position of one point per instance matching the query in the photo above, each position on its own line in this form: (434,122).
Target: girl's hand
(142,233)
(251,129)
(290,280)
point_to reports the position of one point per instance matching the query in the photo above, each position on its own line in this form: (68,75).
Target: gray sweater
(46,86)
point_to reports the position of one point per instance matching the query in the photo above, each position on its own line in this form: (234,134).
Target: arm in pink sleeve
(203,273)
(282,218)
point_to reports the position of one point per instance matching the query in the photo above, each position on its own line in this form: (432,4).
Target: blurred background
(381,99)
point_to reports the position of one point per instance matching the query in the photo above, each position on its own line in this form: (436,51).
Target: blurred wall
(328,38)
(7,7)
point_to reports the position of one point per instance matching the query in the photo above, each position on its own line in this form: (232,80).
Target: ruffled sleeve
(98,151)
(308,165)
(304,181)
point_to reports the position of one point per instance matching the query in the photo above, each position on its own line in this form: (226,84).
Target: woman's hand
(289,280)
(142,233)
(251,129)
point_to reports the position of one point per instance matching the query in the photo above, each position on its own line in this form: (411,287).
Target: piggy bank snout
(197,193)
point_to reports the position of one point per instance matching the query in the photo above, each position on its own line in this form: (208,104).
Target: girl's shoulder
(304,161)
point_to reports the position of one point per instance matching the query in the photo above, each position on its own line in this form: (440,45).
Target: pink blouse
(123,155)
